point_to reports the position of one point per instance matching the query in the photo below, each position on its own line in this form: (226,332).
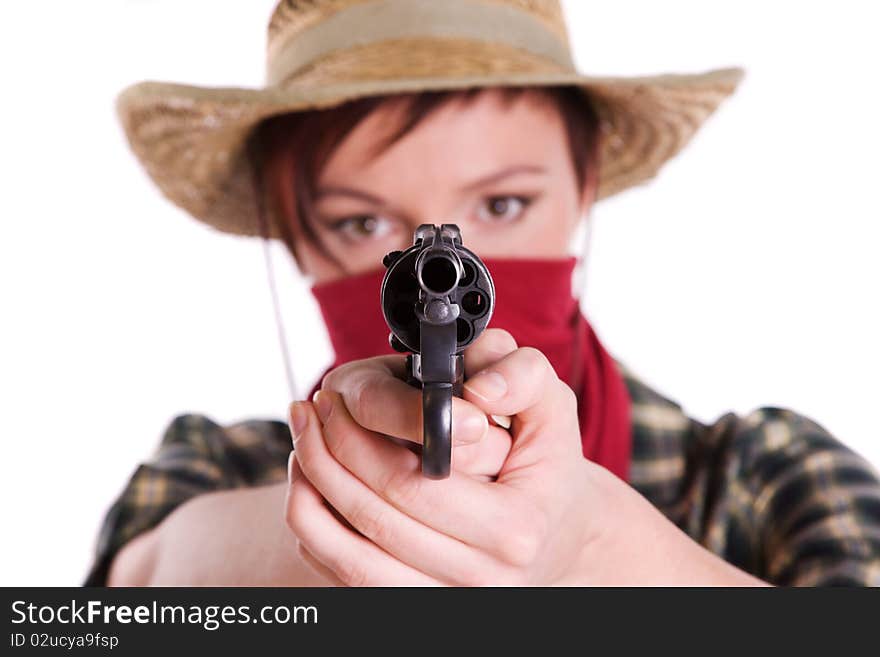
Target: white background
(746,275)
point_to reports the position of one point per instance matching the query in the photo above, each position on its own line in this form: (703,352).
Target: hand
(377,398)
(413,530)
(551,517)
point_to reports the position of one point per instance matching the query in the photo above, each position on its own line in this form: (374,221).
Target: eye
(363,227)
(502,208)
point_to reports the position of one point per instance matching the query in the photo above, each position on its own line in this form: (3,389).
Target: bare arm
(229,538)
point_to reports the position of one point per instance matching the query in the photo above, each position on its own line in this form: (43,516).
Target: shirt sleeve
(786,501)
(195,456)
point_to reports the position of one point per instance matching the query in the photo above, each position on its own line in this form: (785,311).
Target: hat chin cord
(254,153)
(292,387)
(580,275)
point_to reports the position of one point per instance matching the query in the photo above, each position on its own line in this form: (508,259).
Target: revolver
(437,297)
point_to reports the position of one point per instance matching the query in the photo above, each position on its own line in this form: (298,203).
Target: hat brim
(191,139)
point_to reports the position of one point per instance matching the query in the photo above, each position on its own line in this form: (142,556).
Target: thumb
(524,385)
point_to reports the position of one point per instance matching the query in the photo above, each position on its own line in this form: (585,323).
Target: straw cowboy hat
(321,53)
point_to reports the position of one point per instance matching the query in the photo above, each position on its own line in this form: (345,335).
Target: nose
(433,208)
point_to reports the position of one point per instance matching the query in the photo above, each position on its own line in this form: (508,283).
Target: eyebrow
(501,175)
(349,191)
(477,184)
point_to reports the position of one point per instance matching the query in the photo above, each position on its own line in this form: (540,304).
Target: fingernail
(469,427)
(291,459)
(323,405)
(489,386)
(502,421)
(299,418)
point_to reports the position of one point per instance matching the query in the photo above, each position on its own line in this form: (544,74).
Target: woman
(381,116)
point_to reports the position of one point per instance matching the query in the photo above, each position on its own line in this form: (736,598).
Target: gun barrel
(438,270)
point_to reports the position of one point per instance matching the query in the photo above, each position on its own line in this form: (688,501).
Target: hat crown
(292,16)
(301,32)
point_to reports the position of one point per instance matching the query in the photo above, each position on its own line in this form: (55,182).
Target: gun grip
(437,417)
(436,430)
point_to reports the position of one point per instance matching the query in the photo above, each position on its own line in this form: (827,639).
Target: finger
(492,345)
(380,401)
(524,384)
(485,458)
(459,506)
(294,473)
(317,566)
(411,542)
(297,472)
(351,558)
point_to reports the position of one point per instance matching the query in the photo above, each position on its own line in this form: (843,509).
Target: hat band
(371,22)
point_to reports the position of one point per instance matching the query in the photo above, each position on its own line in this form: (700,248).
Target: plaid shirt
(771,492)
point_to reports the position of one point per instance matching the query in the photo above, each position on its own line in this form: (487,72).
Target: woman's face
(502,173)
